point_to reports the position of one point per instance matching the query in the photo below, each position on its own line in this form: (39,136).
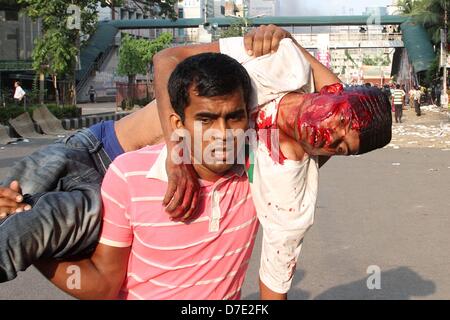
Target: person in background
(19,93)
(398,100)
(92,93)
(387,91)
(417,94)
(392,88)
(411,98)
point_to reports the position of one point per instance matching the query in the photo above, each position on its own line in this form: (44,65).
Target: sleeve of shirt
(116,229)
(275,74)
(286,70)
(234,47)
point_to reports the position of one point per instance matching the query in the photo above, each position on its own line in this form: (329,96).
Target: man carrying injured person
(298,157)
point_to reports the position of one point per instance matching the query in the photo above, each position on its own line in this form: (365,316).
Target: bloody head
(330,115)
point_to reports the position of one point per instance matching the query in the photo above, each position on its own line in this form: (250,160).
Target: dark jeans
(62,183)
(398,112)
(417,108)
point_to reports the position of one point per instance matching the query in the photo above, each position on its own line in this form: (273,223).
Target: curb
(76,123)
(87,121)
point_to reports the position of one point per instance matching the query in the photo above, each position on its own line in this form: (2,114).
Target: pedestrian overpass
(373,32)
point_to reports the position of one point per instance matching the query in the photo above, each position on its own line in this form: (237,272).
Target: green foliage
(55,52)
(135,55)
(234,30)
(376,61)
(430,13)
(65,112)
(433,71)
(131,61)
(348,57)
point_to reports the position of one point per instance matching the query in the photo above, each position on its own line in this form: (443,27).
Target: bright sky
(328,7)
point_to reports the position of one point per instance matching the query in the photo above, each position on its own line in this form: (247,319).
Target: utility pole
(444,37)
(74,23)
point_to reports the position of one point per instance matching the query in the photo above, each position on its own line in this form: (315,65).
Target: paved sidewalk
(94,108)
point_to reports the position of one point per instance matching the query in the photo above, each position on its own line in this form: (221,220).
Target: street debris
(431,130)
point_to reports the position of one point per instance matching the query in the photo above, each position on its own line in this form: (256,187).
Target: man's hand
(11,200)
(264,40)
(182,192)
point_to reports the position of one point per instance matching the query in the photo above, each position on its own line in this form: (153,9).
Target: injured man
(282,169)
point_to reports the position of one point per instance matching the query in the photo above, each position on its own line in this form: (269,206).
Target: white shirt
(19,93)
(285,194)
(273,75)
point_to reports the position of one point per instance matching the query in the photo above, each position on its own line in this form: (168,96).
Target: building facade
(263,7)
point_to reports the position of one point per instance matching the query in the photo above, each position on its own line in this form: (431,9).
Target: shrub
(12,112)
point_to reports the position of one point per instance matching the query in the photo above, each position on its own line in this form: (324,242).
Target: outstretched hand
(11,200)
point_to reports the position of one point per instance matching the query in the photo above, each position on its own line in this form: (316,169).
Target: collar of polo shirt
(158,170)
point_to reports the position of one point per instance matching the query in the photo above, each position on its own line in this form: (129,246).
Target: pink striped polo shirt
(206,258)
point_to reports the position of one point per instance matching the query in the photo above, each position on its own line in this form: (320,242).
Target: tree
(379,60)
(163,8)
(431,14)
(135,57)
(56,50)
(234,30)
(406,7)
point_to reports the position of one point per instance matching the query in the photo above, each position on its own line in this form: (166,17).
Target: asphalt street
(389,209)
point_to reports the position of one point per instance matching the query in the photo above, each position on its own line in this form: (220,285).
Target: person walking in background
(19,93)
(392,88)
(417,94)
(92,93)
(398,99)
(437,94)
(411,98)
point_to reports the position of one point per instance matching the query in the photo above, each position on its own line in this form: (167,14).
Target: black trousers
(398,112)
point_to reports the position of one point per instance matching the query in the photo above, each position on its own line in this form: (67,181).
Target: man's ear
(176,122)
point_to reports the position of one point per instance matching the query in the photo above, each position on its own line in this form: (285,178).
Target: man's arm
(99,277)
(267,38)
(102,274)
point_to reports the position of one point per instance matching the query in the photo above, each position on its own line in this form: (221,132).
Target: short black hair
(211,75)
(398,86)
(378,132)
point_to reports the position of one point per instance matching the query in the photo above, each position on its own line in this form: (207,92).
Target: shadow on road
(296,294)
(397,284)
